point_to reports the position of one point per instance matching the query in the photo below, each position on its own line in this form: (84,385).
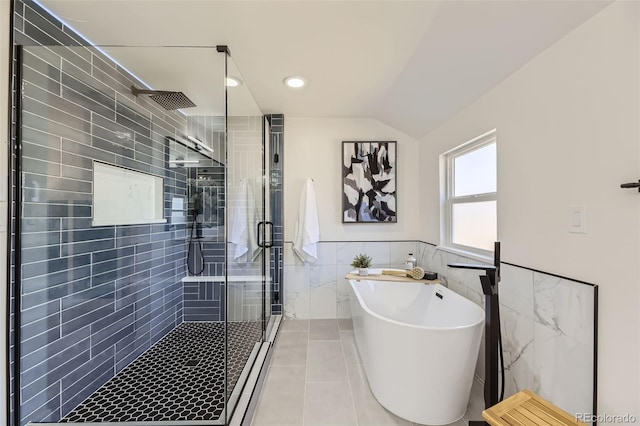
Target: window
(470,196)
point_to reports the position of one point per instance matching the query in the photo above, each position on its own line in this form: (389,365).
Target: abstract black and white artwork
(369,182)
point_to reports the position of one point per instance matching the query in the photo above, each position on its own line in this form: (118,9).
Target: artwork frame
(369,181)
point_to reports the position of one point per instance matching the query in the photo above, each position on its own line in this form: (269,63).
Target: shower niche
(126,197)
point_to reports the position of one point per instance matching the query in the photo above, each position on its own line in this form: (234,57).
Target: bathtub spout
(492,272)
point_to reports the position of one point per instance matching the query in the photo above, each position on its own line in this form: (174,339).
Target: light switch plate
(578,219)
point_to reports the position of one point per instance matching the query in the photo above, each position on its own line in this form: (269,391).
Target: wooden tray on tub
(390,278)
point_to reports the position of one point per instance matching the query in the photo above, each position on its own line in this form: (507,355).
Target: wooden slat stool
(528,409)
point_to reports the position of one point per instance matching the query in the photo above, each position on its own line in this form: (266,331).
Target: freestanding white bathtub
(419,345)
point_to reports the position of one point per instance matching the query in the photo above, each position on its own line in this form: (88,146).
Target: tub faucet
(493,343)
(491,278)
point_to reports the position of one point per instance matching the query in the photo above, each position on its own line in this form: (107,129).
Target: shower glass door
(248,233)
(114,191)
(183,290)
(269,261)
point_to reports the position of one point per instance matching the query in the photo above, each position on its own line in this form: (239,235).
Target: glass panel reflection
(109,332)
(246,228)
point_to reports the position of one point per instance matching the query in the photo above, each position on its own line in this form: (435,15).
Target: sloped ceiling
(408,64)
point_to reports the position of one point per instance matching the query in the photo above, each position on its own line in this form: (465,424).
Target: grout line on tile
(306,367)
(353,400)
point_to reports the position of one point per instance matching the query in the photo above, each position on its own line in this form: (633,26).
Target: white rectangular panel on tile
(343,294)
(516,289)
(327,254)
(296,292)
(378,251)
(322,292)
(518,350)
(563,370)
(565,306)
(398,253)
(126,197)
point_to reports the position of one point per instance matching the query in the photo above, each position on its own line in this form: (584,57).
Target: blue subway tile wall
(208,182)
(203,301)
(93,298)
(244,296)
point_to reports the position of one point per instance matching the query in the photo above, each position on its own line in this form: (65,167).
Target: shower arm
(489,283)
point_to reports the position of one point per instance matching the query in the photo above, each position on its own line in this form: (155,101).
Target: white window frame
(449,200)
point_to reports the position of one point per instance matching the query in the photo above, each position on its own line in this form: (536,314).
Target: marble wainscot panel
(547,326)
(564,337)
(319,291)
(517,326)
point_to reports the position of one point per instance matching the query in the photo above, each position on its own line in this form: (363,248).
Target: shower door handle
(269,243)
(260,240)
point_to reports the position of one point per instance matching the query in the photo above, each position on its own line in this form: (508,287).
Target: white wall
(4,95)
(313,149)
(568,133)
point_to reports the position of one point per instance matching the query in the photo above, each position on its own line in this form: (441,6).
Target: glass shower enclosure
(141,243)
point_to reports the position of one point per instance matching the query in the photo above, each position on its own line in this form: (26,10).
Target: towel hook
(631,185)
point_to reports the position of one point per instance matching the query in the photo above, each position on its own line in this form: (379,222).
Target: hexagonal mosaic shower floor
(179,378)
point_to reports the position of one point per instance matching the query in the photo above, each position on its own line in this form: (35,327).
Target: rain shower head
(166,99)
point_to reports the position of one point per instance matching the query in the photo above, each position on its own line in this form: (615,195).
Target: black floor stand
(489,283)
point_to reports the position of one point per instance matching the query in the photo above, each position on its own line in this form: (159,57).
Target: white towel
(307,232)
(245,221)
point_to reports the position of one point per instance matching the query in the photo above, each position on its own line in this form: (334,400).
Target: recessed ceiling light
(295,82)
(233,82)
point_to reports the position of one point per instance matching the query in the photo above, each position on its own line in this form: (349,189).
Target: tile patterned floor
(315,379)
(180,378)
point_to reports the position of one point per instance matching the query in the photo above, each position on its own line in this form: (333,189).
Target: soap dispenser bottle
(410,263)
